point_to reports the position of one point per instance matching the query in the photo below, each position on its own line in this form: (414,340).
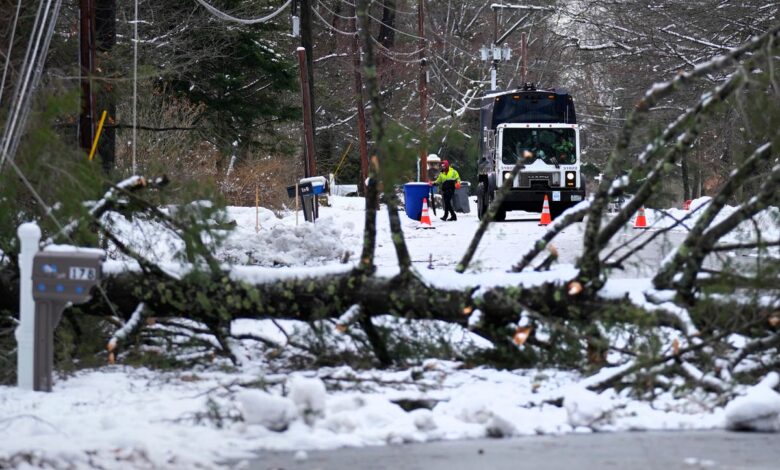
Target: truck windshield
(552,146)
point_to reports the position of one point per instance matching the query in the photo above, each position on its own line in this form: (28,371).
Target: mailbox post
(59,279)
(308,189)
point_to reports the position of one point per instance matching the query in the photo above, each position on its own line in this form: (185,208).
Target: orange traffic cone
(641,221)
(425,219)
(545,219)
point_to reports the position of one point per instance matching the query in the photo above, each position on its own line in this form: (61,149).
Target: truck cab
(537,130)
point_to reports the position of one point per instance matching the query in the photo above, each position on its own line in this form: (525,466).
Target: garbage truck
(537,129)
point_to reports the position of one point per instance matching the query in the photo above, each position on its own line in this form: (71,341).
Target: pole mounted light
(495,54)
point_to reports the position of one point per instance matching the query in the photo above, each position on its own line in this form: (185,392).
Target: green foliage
(398,154)
(8,346)
(57,172)
(240,77)
(413,341)
(80,341)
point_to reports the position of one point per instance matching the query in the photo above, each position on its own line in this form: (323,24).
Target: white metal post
(29,236)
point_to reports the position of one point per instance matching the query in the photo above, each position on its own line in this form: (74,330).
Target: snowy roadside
(120,417)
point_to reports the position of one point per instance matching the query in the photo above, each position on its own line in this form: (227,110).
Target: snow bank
(165,420)
(309,396)
(273,412)
(766,224)
(758,409)
(587,409)
(285,244)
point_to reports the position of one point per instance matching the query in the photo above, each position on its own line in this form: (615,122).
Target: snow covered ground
(122,417)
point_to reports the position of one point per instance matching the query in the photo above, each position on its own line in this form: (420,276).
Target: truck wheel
(483,201)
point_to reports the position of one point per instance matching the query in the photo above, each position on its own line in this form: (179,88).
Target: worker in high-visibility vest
(448,181)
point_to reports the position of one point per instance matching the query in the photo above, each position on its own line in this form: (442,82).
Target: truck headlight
(571,179)
(507,175)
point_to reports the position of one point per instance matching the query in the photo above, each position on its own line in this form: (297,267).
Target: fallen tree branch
(487,219)
(663,278)
(594,235)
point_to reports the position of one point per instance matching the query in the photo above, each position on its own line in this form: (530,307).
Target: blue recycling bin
(414,193)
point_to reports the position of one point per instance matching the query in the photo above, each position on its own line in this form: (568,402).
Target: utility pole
(105,34)
(423,92)
(361,112)
(524,57)
(496,54)
(87,62)
(307,44)
(309,165)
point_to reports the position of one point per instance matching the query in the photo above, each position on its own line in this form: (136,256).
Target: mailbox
(307,189)
(319,184)
(65,276)
(59,279)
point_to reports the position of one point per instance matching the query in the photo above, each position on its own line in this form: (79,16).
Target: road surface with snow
(685,450)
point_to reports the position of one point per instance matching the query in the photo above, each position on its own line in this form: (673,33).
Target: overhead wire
(10,49)
(321,3)
(330,26)
(466,96)
(20,94)
(224,16)
(392,55)
(36,78)
(395,9)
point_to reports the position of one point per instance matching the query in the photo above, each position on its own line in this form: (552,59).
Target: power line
(413,36)
(331,27)
(395,9)
(32,67)
(10,48)
(322,4)
(224,16)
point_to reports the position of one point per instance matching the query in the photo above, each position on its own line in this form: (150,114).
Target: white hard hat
(432,157)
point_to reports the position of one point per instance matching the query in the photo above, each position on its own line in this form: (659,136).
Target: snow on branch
(128,327)
(350,316)
(132,325)
(695,40)
(708,381)
(99,207)
(498,6)
(660,90)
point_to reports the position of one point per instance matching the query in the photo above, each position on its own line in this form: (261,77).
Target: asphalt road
(630,451)
(505,242)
